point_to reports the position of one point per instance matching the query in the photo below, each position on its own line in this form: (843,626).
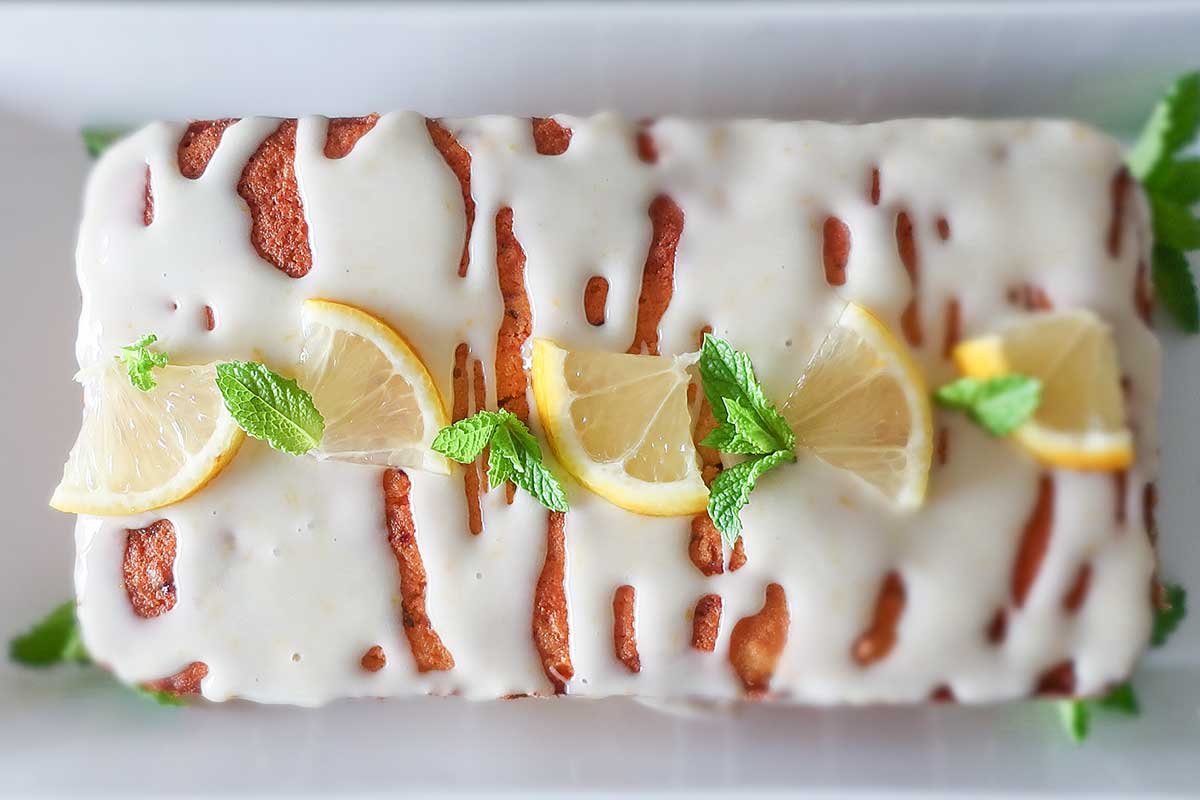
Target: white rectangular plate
(72,731)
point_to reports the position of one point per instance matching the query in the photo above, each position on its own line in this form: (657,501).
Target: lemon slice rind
(94,472)
(341,318)
(608,479)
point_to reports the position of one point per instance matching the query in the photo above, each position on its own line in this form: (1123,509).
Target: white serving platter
(73,732)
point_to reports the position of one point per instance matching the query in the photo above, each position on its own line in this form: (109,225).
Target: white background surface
(72,731)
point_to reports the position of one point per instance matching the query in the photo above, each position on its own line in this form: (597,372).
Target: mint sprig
(140,360)
(53,640)
(731,489)
(56,640)
(1172,185)
(1171,126)
(749,424)
(269,406)
(515,454)
(999,405)
(1076,715)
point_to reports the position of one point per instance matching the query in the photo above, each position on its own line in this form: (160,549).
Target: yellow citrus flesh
(142,450)
(379,401)
(1080,422)
(862,406)
(620,425)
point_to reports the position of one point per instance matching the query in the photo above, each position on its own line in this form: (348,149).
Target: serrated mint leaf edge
(465,440)
(140,361)
(730,491)
(1171,125)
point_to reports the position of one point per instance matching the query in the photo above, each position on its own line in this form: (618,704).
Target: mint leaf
(1173,284)
(97,140)
(541,483)
(1180,182)
(465,440)
(1076,718)
(500,467)
(53,640)
(503,447)
(727,374)
(1174,225)
(271,407)
(1171,126)
(721,438)
(1168,619)
(56,640)
(1172,186)
(731,491)
(139,360)
(999,405)
(748,429)
(1121,699)
(514,454)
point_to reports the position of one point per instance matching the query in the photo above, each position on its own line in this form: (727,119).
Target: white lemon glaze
(282,557)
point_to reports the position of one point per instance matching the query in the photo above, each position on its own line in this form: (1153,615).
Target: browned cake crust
(427,648)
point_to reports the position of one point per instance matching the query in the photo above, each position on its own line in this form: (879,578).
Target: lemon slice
(861,405)
(1080,423)
(379,402)
(620,425)
(141,450)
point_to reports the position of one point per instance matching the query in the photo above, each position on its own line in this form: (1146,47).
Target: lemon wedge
(379,401)
(142,450)
(1080,423)
(861,405)
(620,425)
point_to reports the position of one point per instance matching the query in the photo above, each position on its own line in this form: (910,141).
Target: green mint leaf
(1180,182)
(748,429)
(514,454)
(53,640)
(1076,718)
(1167,620)
(97,140)
(464,440)
(1121,699)
(505,449)
(1174,225)
(1173,284)
(140,360)
(725,438)
(723,373)
(271,407)
(500,468)
(720,438)
(541,483)
(999,405)
(525,444)
(528,470)
(728,373)
(731,491)
(1171,126)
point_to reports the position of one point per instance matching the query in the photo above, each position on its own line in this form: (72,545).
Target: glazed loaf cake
(296,581)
